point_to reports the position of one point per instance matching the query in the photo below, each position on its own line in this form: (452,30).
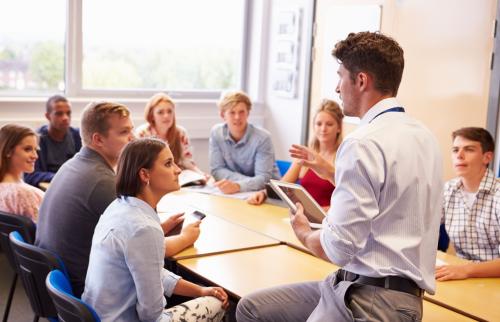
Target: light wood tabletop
(251,271)
(267,219)
(479,297)
(465,296)
(44,185)
(218,235)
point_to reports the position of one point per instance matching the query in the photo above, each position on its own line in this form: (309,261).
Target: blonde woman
(159,114)
(327,125)
(18,145)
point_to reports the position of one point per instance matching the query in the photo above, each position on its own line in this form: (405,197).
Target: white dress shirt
(385,213)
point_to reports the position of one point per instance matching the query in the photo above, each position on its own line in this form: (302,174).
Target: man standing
(471,208)
(59,141)
(83,188)
(383,227)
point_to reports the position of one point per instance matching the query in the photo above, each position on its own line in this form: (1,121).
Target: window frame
(73,73)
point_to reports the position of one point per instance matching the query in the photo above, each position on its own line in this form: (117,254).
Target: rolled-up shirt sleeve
(169,281)
(359,177)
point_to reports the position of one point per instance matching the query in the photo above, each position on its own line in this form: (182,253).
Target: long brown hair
(334,110)
(10,136)
(173,134)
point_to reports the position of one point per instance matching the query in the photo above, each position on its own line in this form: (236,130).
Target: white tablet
(292,193)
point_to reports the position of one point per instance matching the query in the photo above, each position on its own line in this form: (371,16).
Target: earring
(147,183)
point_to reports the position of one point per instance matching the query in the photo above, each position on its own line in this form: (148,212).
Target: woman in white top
(126,280)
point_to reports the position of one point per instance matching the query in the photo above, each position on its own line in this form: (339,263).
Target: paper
(212,190)
(440,262)
(190,176)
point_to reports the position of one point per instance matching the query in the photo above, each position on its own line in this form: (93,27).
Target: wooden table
(218,235)
(267,219)
(466,297)
(476,297)
(44,185)
(253,271)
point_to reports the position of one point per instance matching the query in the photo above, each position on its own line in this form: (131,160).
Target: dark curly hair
(373,53)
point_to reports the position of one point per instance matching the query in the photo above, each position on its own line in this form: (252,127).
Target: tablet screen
(292,193)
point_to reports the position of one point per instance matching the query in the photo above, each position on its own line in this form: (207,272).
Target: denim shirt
(126,280)
(248,162)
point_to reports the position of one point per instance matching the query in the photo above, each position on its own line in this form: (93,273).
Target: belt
(395,283)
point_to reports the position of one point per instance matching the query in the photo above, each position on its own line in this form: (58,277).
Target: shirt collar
(381,106)
(244,139)
(142,205)
(487,182)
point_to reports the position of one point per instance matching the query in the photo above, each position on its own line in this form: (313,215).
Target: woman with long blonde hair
(327,128)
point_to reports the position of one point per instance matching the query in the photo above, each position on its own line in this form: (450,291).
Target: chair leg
(9,299)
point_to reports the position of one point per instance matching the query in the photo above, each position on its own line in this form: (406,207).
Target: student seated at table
(327,125)
(59,142)
(471,209)
(18,145)
(159,114)
(241,154)
(126,280)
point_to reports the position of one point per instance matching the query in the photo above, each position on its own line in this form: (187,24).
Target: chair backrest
(69,308)
(33,265)
(283,166)
(9,223)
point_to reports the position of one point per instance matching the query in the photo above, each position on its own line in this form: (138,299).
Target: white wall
(447,45)
(284,116)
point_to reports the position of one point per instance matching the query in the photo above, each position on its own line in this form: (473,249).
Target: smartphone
(198,215)
(194,216)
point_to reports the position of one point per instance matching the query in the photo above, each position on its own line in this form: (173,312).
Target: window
(192,48)
(32,47)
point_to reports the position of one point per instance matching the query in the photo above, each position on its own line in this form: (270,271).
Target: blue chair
(283,166)
(69,308)
(33,266)
(27,228)
(444,239)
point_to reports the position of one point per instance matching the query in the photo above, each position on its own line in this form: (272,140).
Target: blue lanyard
(393,109)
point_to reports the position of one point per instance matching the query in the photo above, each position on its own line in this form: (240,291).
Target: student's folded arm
(348,225)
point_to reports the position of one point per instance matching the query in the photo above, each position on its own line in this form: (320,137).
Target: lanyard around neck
(393,109)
